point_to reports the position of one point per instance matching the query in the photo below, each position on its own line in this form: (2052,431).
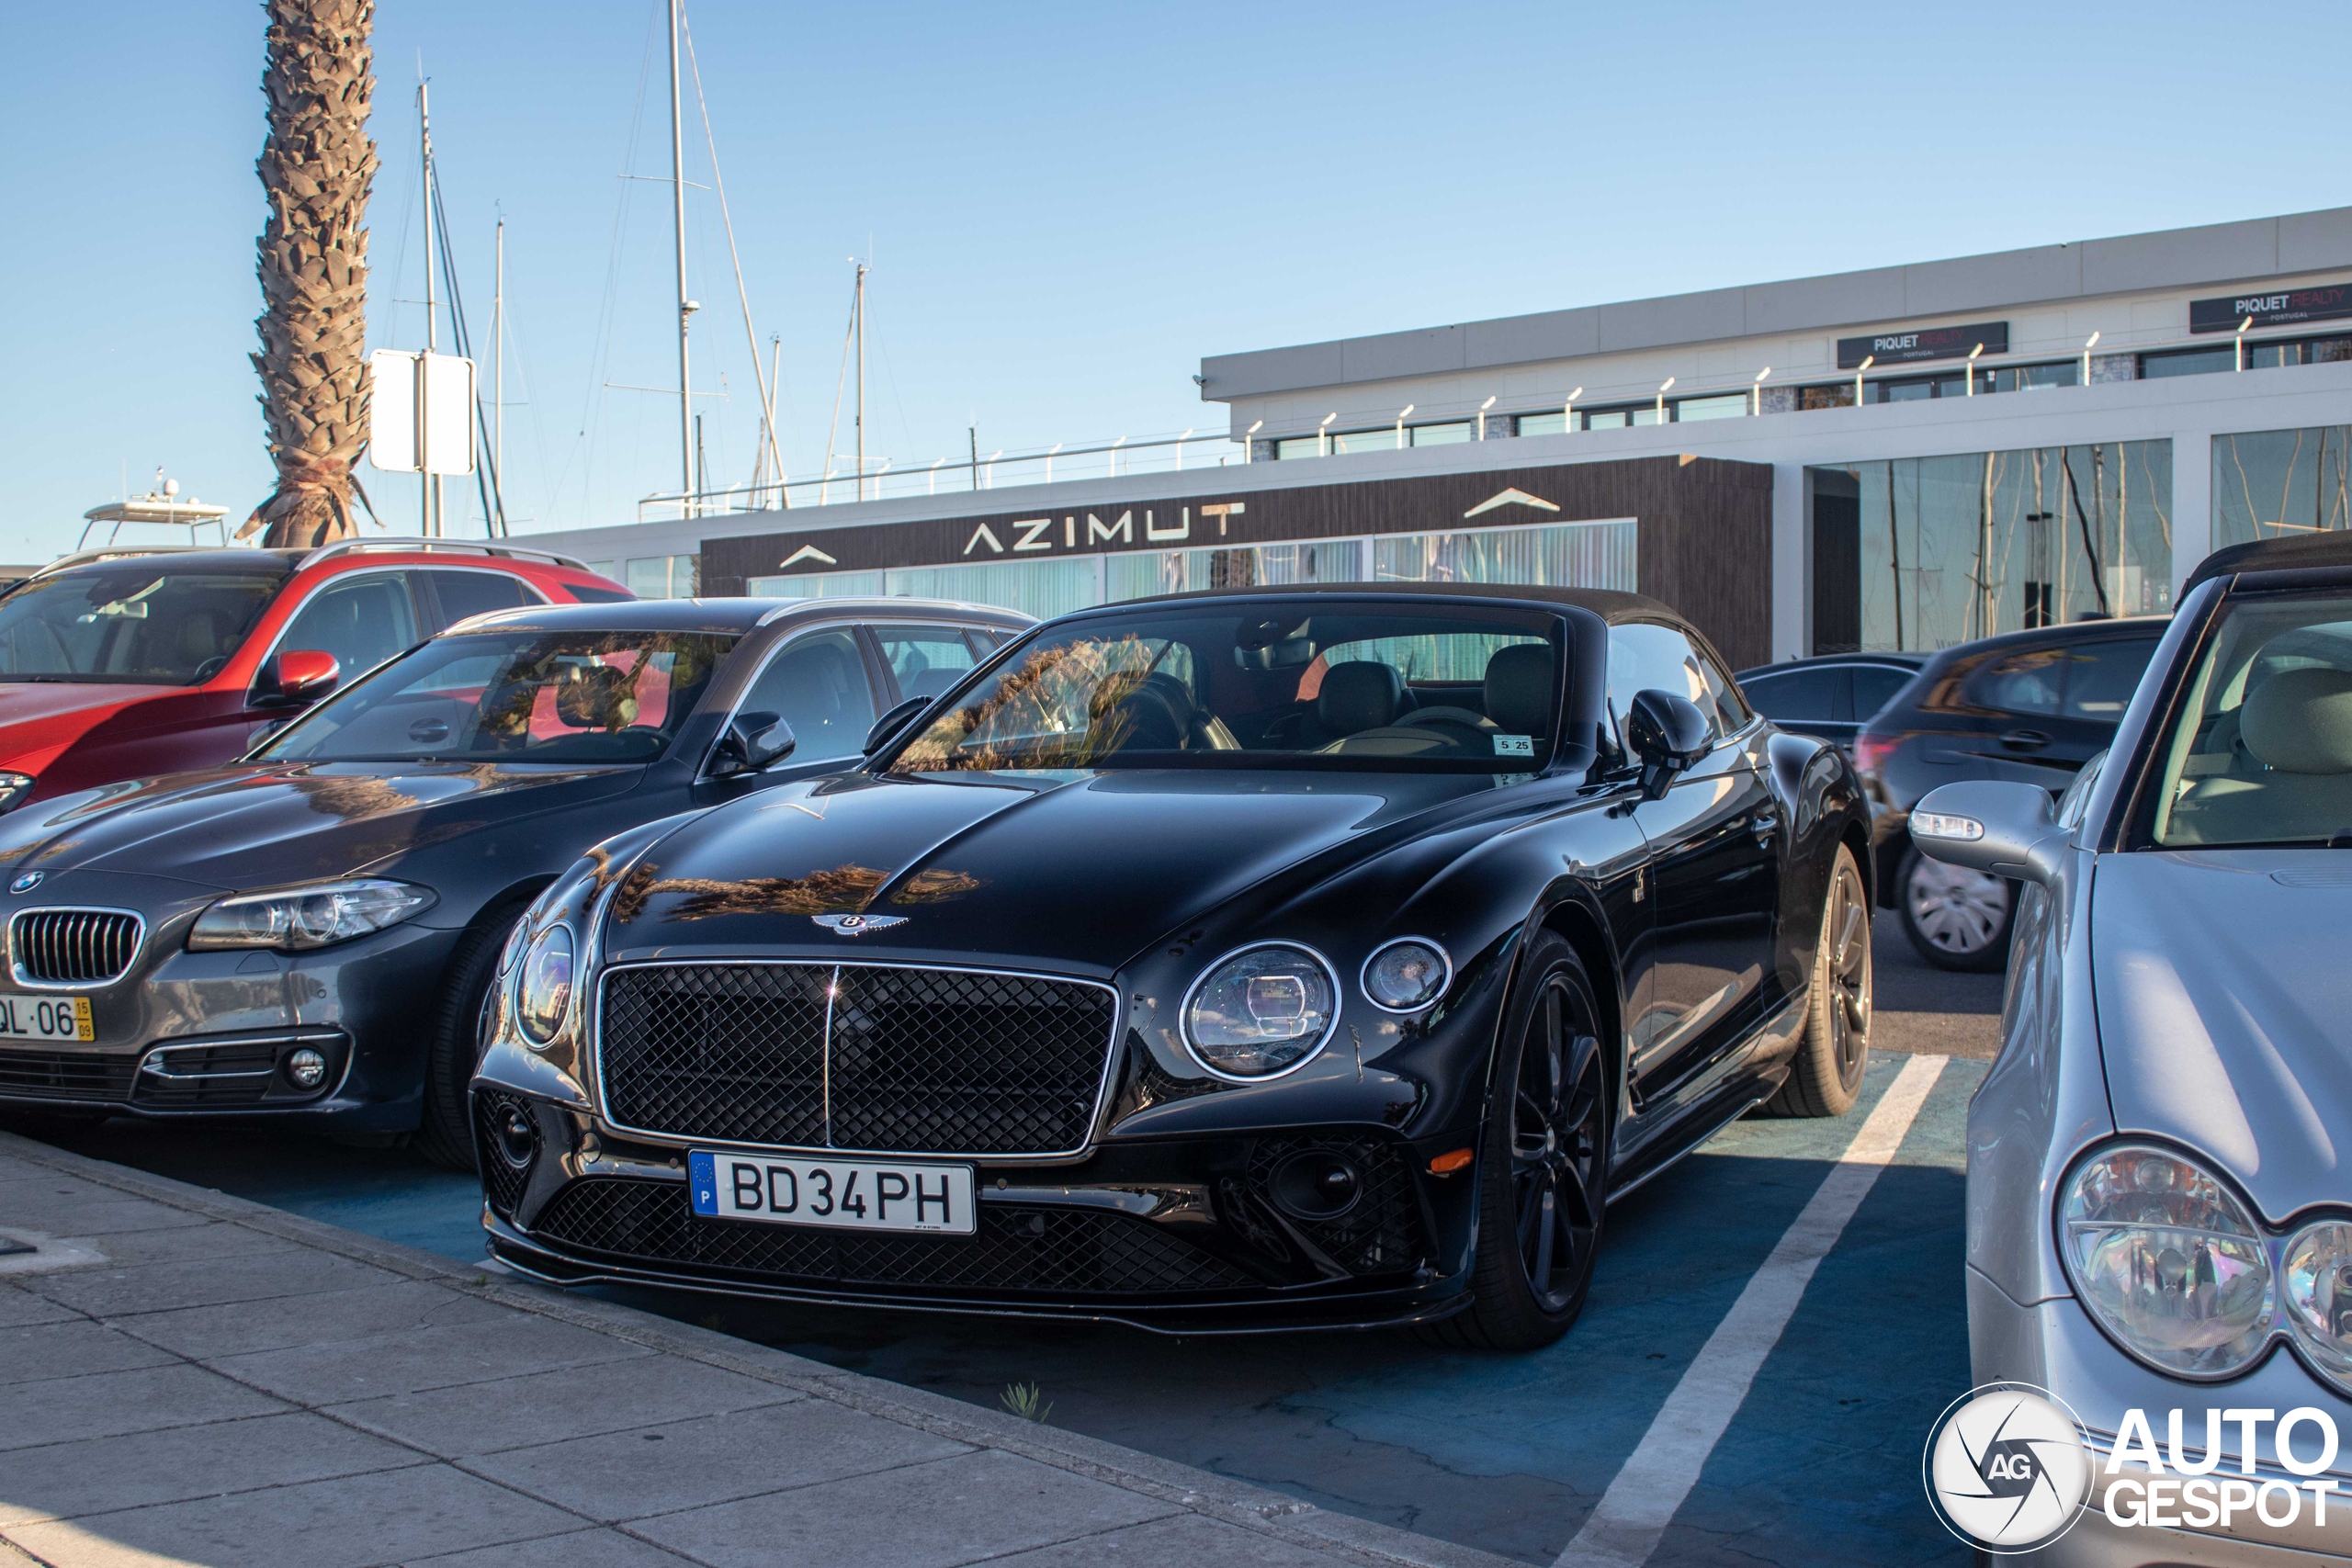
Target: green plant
(1025,1400)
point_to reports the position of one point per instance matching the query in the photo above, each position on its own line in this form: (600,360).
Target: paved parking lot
(1819,1465)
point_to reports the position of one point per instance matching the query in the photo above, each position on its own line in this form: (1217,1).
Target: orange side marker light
(1447,1164)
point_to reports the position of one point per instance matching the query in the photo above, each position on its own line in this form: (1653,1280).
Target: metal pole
(860,313)
(776,453)
(973,433)
(428,494)
(685,306)
(498,359)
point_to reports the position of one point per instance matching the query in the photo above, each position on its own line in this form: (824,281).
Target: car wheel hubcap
(1958,909)
(1558,1119)
(1846,943)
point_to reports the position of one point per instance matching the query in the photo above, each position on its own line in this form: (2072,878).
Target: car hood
(39,717)
(1076,869)
(2225,1012)
(273,824)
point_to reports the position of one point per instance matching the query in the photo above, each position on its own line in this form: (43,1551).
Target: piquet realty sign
(2271,308)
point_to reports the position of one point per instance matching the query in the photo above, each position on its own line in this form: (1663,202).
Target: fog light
(306,1069)
(518,1137)
(1315,1186)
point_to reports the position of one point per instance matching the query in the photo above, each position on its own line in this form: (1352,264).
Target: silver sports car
(2160,1161)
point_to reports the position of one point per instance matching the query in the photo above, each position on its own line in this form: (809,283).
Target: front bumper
(1178,1235)
(2054,1345)
(210,1034)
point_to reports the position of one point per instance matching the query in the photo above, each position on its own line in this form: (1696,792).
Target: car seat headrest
(2299,721)
(1359,694)
(1519,688)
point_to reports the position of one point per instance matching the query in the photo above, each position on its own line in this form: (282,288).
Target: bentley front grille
(73,947)
(855,1056)
(1065,1252)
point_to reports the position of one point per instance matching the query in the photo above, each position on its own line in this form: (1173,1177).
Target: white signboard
(420,412)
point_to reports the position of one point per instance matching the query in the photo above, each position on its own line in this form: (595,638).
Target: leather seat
(1519,695)
(1359,694)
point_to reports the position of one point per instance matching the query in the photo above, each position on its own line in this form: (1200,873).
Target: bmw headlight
(14,787)
(2317,1284)
(1261,1011)
(2168,1261)
(1407,975)
(296,919)
(542,995)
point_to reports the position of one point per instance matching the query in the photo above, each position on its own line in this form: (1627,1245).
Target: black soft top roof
(2307,552)
(1608,604)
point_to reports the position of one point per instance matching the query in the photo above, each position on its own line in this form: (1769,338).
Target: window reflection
(2269,484)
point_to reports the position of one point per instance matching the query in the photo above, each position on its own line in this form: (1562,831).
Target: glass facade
(1921,553)
(1566,555)
(2269,484)
(664,577)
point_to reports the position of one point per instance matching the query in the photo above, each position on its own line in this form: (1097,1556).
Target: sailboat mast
(498,365)
(685,306)
(861,380)
(429,492)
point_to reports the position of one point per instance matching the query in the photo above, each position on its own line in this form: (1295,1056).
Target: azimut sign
(1036,534)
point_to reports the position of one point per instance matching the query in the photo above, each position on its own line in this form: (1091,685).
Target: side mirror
(1669,734)
(890,723)
(752,742)
(295,677)
(2008,830)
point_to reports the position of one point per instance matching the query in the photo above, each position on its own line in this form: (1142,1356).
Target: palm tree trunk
(316,165)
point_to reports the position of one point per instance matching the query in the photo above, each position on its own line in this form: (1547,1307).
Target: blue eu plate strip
(702,1180)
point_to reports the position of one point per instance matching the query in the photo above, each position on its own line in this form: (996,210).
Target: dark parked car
(1250,959)
(309,933)
(2031,705)
(1831,695)
(131,662)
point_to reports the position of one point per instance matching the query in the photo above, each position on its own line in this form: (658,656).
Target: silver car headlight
(543,993)
(1261,1011)
(2168,1261)
(294,919)
(2317,1283)
(1407,975)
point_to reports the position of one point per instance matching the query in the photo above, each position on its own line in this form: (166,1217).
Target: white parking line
(1624,1529)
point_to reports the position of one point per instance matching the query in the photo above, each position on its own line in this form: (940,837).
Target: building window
(1731,405)
(665,577)
(1564,555)
(2189,362)
(1146,572)
(1837,395)
(1922,553)
(816,585)
(2270,484)
(1039,587)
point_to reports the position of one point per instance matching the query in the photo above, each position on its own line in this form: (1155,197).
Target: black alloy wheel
(1543,1167)
(1835,1046)
(445,1132)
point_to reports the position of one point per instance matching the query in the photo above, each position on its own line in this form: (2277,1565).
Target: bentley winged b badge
(857,925)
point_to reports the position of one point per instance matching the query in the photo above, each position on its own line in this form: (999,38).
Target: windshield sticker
(1514,744)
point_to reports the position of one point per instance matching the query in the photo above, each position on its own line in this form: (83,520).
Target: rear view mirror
(294,677)
(1990,825)
(752,741)
(1669,734)
(890,723)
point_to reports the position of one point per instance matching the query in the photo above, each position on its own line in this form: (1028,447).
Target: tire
(445,1132)
(1542,1166)
(1835,1044)
(1957,919)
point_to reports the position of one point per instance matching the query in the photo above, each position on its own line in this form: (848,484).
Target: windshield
(1322,682)
(515,696)
(132,623)
(2262,753)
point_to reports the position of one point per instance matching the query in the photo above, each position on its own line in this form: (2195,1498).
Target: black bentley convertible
(1244,960)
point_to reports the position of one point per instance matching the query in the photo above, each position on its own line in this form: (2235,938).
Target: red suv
(123,663)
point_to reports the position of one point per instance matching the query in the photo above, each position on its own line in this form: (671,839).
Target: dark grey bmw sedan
(309,933)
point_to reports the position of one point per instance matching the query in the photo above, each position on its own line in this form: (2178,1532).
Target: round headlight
(1260,1011)
(2318,1288)
(2168,1261)
(1407,975)
(543,998)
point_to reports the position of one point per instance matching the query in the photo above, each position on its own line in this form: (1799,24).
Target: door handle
(2025,740)
(1764,827)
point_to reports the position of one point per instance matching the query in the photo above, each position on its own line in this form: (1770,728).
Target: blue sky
(1067,205)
